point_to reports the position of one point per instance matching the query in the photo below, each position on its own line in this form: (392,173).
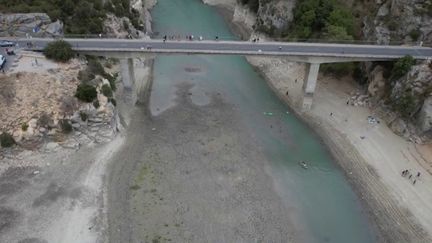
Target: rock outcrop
(121,28)
(424,120)
(275,16)
(400,21)
(34,24)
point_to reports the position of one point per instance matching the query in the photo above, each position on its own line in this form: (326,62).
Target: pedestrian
(403,173)
(287,93)
(331,113)
(410,177)
(418,174)
(347,102)
(296,80)
(414,182)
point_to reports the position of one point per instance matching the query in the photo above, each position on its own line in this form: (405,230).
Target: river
(218,158)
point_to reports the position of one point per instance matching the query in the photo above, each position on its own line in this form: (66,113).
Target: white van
(2,61)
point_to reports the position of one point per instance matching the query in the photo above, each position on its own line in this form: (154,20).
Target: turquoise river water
(329,209)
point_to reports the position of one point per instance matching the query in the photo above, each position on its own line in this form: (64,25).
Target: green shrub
(96,104)
(86,92)
(6,140)
(60,51)
(402,67)
(65,126)
(24,126)
(106,90)
(83,116)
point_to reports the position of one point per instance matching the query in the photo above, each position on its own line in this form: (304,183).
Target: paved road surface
(241,48)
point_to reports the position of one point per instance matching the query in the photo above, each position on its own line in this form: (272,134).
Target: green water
(327,206)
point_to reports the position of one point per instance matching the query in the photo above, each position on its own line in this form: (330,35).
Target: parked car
(2,61)
(5,43)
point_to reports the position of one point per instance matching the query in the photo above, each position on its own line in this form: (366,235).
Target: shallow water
(324,203)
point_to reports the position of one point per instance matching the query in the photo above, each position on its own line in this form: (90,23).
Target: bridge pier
(309,84)
(127,72)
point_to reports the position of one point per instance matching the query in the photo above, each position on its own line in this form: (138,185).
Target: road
(240,48)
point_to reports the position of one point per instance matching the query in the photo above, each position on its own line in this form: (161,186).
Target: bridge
(313,54)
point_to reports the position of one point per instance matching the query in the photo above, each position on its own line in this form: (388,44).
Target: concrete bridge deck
(304,52)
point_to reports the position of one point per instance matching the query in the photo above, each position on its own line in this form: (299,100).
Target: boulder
(400,127)
(376,87)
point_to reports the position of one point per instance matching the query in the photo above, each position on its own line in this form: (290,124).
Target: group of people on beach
(409,175)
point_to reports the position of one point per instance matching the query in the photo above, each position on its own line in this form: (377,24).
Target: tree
(60,51)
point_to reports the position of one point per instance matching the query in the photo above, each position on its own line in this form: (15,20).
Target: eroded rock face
(377,83)
(275,16)
(417,83)
(399,20)
(424,119)
(121,27)
(34,24)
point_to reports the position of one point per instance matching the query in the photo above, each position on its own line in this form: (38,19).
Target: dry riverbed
(189,175)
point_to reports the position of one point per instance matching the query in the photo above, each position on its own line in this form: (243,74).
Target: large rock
(34,24)
(424,119)
(377,83)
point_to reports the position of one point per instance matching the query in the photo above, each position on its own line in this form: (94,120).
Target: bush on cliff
(86,92)
(6,140)
(107,91)
(60,51)
(402,67)
(405,105)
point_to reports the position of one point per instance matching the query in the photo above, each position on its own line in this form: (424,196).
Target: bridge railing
(175,37)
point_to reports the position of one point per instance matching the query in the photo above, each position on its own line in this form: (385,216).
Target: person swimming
(303,164)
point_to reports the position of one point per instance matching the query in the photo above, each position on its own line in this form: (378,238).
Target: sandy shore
(401,211)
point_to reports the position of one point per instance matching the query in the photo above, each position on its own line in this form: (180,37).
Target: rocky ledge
(34,24)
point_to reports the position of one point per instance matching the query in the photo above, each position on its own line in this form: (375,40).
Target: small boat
(303,165)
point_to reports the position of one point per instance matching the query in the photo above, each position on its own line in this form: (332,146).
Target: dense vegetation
(60,51)
(322,19)
(79,16)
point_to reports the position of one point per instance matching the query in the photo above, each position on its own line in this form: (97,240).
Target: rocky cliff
(402,22)
(34,24)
